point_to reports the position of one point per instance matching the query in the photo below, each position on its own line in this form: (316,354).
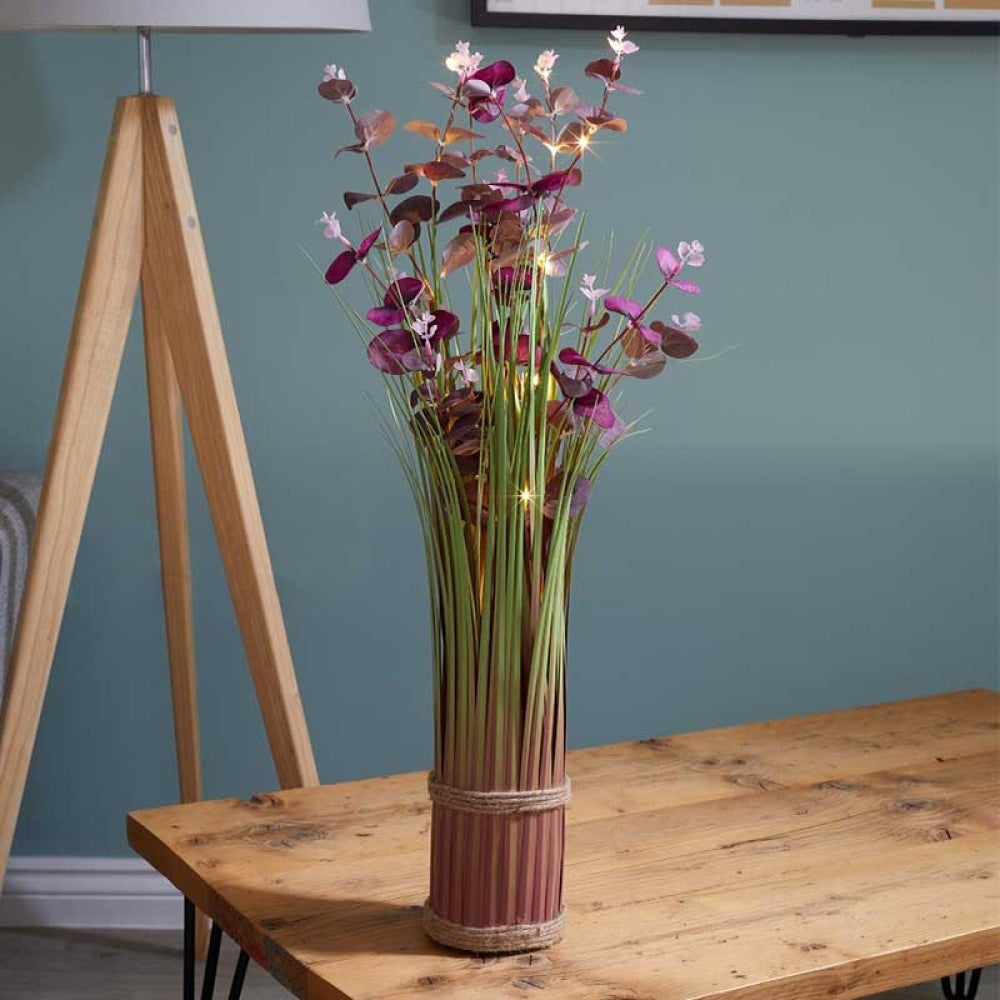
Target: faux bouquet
(501,369)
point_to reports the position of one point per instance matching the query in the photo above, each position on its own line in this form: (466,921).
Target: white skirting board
(120,893)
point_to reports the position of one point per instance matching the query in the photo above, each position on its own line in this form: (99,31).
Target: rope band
(494,940)
(497,803)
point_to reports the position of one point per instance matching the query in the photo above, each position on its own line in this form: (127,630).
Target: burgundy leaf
(446,325)
(676,343)
(603,69)
(352,198)
(497,74)
(556,181)
(595,406)
(416,208)
(578,498)
(394,352)
(403,291)
(368,242)
(402,184)
(648,366)
(340,91)
(341,267)
(385,316)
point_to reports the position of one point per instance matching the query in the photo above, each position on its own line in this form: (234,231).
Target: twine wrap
(497,803)
(494,940)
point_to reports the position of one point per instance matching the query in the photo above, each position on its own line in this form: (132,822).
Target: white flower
(462,61)
(619,44)
(545,63)
(692,254)
(500,176)
(465,373)
(521,93)
(425,326)
(591,293)
(331,227)
(690,322)
(333,72)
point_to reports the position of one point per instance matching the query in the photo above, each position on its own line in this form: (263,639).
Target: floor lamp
(146,232)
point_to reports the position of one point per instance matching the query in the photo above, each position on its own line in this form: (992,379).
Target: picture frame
(847,17)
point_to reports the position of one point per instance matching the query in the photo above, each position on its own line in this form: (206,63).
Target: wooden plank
(166,425)
(179,285)
(692,873)
(100,326)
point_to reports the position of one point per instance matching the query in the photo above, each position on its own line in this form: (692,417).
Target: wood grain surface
(836,855)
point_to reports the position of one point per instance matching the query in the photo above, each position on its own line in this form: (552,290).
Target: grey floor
(117,965)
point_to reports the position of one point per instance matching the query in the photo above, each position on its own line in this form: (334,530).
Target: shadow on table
(312,926)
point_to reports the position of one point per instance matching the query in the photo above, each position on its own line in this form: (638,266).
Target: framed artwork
(853,17)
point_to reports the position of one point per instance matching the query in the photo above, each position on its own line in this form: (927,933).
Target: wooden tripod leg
(100,326)
(167,435)
(178,287)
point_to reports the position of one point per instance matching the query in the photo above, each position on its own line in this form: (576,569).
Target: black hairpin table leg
(960,991)
(211,961)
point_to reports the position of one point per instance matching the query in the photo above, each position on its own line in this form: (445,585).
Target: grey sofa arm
(18,502)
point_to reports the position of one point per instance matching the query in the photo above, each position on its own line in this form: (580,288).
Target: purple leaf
(385,316)
(497,74)
(394,353)
(556,181)
(596,407)
(507,278)
(446,325)
(666,262)
(686,286)
(612,434)
(341,267)
(367,243)
(574,388)
(403,291)
(622,306)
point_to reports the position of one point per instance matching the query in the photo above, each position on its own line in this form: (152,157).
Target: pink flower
(425,326)
(465,373)
(619,44)
(521,93)
(594,295)
(331,227)
(690,322)
(462,61)
(545,63)
(692,254)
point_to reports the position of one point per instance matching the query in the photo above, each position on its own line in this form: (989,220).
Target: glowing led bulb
(526,496)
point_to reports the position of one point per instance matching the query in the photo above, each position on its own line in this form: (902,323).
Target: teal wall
(810,524)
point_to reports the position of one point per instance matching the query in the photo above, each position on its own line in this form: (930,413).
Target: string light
(526,496)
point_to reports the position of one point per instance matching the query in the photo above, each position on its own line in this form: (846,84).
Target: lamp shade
(186,15)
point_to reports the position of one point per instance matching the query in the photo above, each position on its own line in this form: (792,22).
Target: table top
(830,855)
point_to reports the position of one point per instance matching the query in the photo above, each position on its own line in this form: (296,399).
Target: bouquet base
(496,868)
(500,940)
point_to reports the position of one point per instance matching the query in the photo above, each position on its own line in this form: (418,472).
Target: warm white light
(526,496)
(583,142)
(536,380)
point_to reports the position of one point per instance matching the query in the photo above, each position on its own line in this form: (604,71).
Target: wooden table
(829,856)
